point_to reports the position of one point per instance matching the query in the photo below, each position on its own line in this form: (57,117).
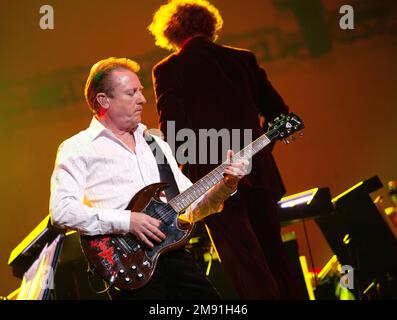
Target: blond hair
(99,78)
(176,21)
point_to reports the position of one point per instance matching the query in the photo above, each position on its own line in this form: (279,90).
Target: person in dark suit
(204,85)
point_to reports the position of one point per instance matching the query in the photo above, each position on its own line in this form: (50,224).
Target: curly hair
(98,79)
(176,21)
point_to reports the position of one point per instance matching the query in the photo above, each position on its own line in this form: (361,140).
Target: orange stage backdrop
(341,82)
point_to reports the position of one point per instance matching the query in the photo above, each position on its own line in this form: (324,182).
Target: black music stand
(27,251)
(68,263)
(306,204)
(360,237)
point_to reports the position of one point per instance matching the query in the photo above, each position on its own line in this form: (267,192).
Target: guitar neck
(186,198)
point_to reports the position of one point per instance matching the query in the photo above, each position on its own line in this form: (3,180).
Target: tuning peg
(270,124)
(277,119)
(286,141)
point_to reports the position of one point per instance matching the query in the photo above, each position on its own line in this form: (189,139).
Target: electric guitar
(126,263)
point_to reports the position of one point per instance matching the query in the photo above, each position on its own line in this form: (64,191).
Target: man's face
(126,105)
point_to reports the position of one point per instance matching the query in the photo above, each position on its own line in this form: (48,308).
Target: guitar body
(122,260)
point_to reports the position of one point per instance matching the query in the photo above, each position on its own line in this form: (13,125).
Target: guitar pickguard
(169,227)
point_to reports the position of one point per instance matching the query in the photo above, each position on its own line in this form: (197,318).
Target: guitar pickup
(121,246)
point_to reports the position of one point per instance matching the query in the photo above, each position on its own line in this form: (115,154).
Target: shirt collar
(96,128)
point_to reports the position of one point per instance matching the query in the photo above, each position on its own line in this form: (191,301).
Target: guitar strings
(168,211)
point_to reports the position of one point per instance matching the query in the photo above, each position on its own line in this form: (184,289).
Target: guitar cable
(90,275)
(310,252)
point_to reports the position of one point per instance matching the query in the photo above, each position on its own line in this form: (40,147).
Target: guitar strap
(165,171)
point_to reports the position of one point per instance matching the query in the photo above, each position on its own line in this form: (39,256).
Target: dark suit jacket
(206,86)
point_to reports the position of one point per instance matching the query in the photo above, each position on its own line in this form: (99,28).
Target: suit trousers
(247,237)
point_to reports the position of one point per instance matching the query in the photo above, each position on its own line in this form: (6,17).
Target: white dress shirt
(96,175)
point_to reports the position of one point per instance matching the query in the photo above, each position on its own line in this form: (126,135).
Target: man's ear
(103,100)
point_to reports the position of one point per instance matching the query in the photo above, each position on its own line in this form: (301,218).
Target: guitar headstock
(285,126)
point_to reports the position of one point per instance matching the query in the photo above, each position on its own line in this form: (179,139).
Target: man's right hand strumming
(146,228)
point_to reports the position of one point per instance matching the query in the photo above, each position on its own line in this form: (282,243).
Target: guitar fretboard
(186,198)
